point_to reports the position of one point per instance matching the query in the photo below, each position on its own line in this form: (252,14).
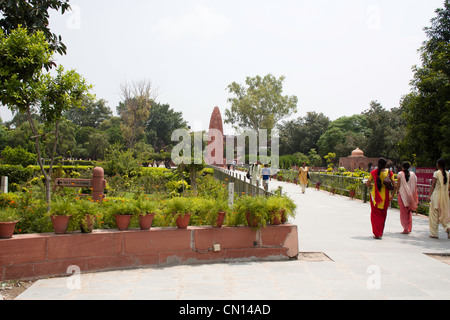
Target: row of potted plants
(256,212)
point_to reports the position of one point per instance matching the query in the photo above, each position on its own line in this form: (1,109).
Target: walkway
(361,267)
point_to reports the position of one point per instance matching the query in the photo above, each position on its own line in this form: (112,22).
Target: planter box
(48,255)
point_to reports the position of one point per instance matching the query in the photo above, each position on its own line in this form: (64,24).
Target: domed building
(357,160)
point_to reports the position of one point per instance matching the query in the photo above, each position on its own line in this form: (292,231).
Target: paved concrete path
(361,267)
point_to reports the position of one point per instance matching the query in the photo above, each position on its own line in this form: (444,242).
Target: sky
(337,56)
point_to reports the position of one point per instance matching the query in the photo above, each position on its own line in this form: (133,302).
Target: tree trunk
(47,175)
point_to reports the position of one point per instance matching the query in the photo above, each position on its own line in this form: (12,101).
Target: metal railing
(343,184)
(242,185)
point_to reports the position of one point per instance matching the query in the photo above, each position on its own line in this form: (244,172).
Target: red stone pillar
(98,184)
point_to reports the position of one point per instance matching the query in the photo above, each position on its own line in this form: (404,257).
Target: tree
(386,131)
(302,134)
(60,93)
(33,15)
(344,135)
(161,123)
(24,88)
(427,108)
(259,104)
(314,159)
(91,114)
(135,109)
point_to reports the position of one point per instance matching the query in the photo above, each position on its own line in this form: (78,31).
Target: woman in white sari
(408,198)
(439,201)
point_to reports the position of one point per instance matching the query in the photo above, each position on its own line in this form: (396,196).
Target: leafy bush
(255,206)
(9,215)
(16,174)
(18,156)
(119,162)
(63,207)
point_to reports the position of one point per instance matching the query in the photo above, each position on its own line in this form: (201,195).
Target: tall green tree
(344,135)
(91,114)
(162,122)
(386,131)
(427,108)
(134,110)
(302,134)
(259,104)
(33,15)
(24,87)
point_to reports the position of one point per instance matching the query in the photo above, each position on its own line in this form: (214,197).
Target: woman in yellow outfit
(303,177)
(439,201)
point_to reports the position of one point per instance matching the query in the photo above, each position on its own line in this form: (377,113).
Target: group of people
(384,189)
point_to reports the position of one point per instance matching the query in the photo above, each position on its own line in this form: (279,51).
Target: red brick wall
(47,255)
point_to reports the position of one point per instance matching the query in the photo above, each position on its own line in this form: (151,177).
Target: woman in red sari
(380,197)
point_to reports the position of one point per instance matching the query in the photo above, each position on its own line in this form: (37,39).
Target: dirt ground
(441,257)
(313,257)
(10,290)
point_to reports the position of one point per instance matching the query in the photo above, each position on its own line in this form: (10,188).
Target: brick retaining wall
(48,255)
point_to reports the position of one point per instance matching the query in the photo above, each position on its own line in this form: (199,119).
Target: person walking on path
(265,173)
(408,197)
(303,177)
(380,197)
(439,201)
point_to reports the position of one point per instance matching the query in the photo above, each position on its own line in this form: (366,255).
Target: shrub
(255,206)
(18,156)
(9,215)
(16,174)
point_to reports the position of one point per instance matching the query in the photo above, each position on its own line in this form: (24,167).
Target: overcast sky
(337,56)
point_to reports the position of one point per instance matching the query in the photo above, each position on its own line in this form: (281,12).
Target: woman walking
(439,201)
(408,197)
(380,197)
(303,177)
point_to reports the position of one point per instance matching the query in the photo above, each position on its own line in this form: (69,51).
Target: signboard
(73,183)
(424,175)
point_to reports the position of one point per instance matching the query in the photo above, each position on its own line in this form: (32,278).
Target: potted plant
(280,208)
(352,189)
(333,187)
(9,217)
(61,212)
(146,211)
(123,211)
(318,185)
(216,216)
(254,209)
(181,208)
(86,211)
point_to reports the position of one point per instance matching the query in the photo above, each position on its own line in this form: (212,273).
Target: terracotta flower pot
(145,222)
(123,222)
(7,229)
(60,223)
(276,218)
(220,219)
(283,216)
(183,221)
(251,221)
(352,193)
(87,226)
